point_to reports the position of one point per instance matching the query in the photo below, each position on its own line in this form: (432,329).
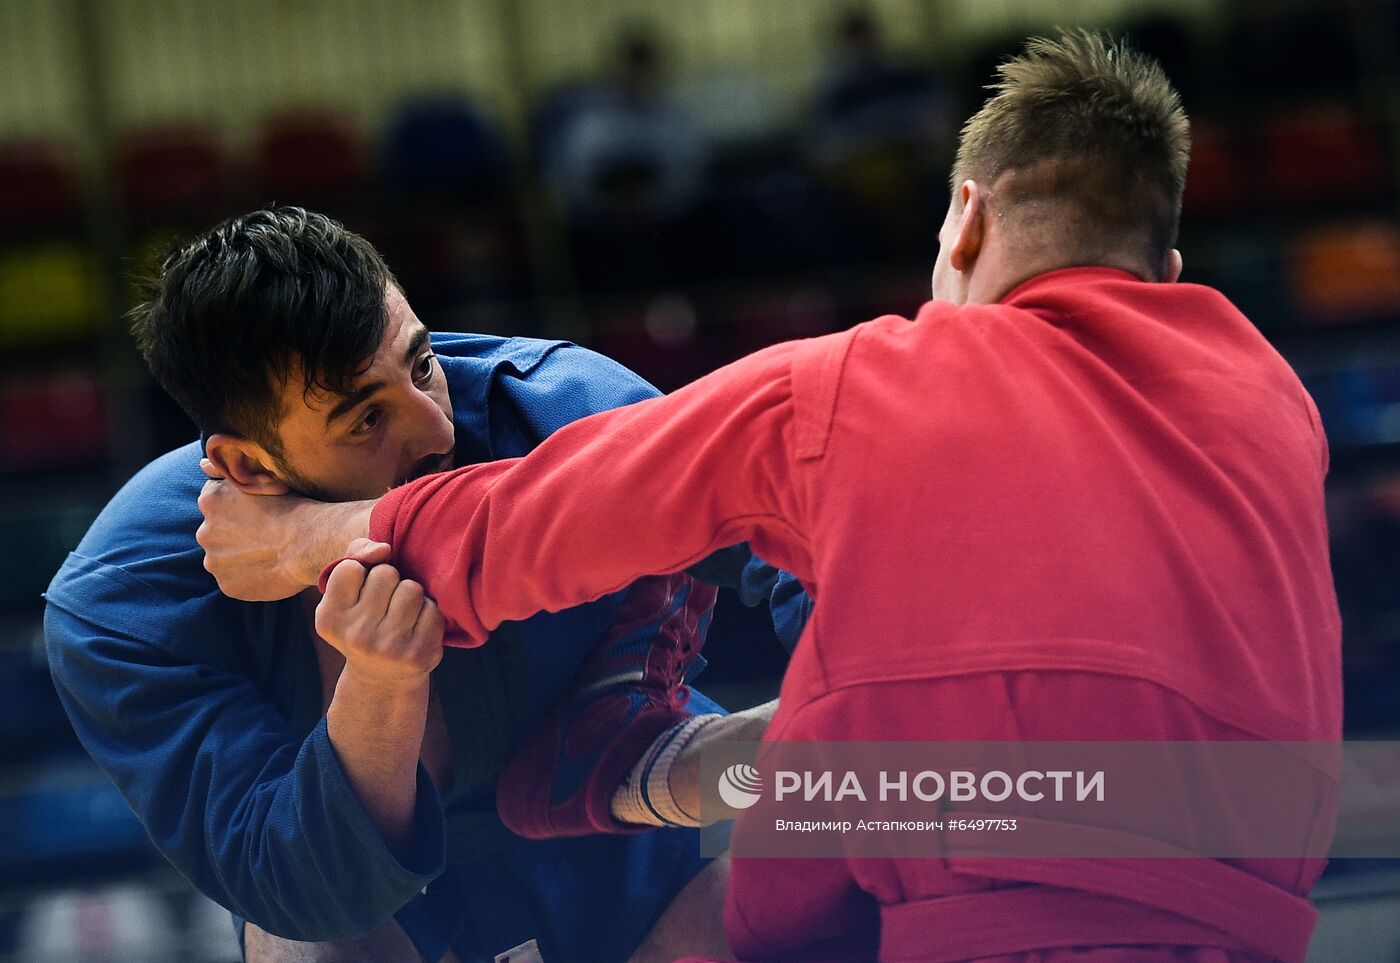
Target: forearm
(647,489)
(377,732)
(322,533)
(266,548)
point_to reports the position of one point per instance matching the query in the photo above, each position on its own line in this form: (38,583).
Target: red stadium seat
(1215,181)
(307,157)
(55,419)
(1322,152)
(171,171)
(39,188)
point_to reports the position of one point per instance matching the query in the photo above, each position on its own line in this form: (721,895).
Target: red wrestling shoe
(629,691)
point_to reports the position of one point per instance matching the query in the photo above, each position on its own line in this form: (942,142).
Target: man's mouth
(427,466)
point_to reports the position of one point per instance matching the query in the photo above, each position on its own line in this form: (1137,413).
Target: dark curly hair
(236,312)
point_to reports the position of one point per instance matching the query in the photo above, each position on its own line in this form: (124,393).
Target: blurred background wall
(674,184)
(232,63)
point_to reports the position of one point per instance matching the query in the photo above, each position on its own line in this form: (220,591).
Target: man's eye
(425,367)
(368,423)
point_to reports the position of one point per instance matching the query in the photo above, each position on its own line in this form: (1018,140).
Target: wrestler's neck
(1002,264)
(999,270)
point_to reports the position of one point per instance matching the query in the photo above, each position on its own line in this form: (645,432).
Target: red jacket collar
(1069,275)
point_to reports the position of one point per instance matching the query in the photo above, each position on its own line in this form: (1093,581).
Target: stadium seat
(171,172)
(39,190)
(1348,272)
(1323,153)
(308,157)
(54,419)
(1216,181)
(49,293)
(443,145)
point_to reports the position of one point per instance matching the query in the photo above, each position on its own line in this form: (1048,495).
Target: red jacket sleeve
(646,489)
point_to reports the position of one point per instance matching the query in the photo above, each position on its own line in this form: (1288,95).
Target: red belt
(1186,901)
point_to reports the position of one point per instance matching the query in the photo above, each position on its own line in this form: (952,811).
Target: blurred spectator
(867,98)
(443,147)
(882,137)
(119,924)
(736,110)
(453,231)
(623,149)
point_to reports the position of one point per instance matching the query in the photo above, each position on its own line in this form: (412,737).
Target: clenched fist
(387,629)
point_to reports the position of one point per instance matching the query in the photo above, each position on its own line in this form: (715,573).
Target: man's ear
(1173,267)
(244,464)
(967,244)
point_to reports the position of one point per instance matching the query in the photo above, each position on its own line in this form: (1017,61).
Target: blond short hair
(1091,126)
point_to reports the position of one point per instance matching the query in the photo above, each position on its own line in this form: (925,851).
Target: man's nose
(434,427)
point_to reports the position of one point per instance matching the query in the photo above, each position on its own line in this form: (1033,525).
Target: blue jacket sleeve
(755,580)
(261,821)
